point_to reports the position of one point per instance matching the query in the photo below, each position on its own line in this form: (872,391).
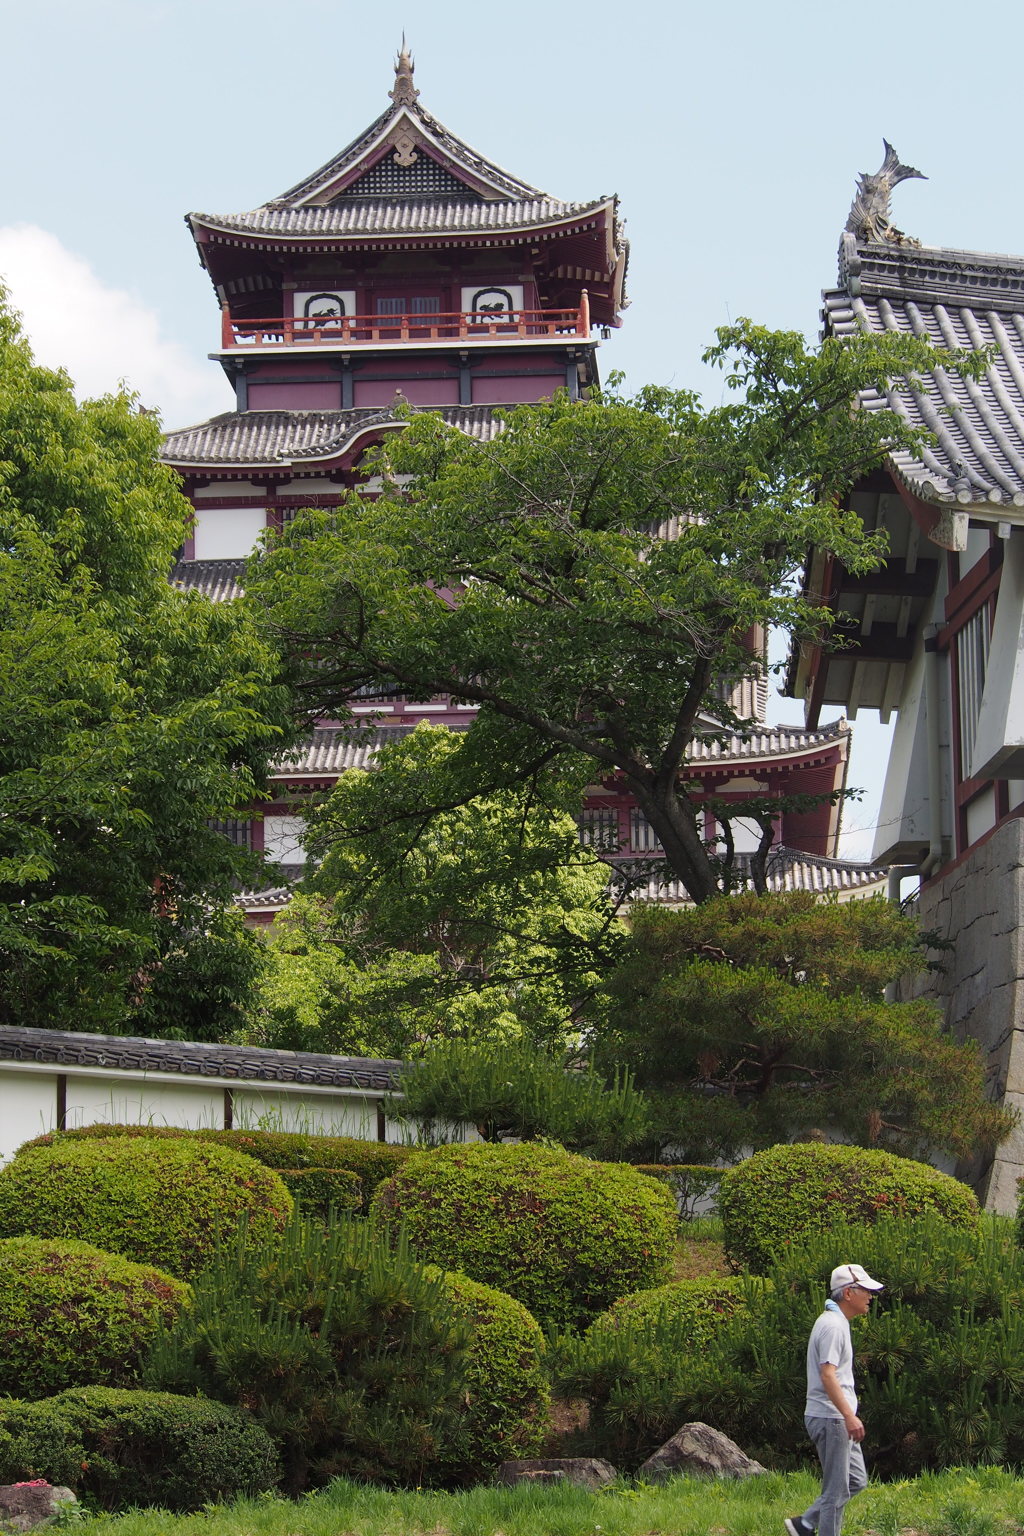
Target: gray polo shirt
(830,1343)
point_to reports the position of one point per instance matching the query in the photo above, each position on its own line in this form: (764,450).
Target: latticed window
(599,829)
(236,831)
(972,644)
(423,178)
(643,837)
(389,304)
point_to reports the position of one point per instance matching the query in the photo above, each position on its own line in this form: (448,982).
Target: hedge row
(284,1151)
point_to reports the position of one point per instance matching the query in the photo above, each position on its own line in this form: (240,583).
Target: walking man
(831,1411)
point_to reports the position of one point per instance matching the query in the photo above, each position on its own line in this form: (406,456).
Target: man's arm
(838,1398)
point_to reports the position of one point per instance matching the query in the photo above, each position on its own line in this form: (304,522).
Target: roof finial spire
(869,216)
(404,93)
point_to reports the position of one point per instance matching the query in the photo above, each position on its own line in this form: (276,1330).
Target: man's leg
(842,1473)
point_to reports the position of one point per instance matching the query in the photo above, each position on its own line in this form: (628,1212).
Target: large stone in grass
(23,1506)
(584,1471)
(697,1450)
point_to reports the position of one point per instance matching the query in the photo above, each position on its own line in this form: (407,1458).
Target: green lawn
(987,1502)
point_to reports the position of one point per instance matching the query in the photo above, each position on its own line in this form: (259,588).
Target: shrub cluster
(122,1448)
(773,1199)
(940,1360)
(503,1413)
(156,1201)
(284,1151)
(71,1315)
(349,1355)
(563,1235)
(317,1191)
(690,1183)
(627,1365)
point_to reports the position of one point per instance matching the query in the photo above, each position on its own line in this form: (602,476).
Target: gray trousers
(842,1474)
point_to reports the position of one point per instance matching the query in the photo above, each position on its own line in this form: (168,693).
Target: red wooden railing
(363,330)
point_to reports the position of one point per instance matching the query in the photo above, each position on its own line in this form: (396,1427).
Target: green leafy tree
(487,920)
(596,576)
(130,714)
(750,1019)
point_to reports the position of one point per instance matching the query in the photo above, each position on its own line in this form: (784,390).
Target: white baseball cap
(853,1274)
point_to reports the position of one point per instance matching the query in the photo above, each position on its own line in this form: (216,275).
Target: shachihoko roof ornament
(870,214)
(405,92)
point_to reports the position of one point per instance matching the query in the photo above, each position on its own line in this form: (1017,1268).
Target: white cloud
(101,335)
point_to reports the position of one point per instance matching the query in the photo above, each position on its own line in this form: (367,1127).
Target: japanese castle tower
(410,270)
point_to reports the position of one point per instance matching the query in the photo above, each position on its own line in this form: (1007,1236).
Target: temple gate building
(411,271)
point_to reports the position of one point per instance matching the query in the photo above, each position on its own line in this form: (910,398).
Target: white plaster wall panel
(981,815)
(486,301)
(314,1114)
(154,1101)
(228,533)
(324,303)
(282,839)
(319,485)
(28,1107)
(999,737)
(904,821)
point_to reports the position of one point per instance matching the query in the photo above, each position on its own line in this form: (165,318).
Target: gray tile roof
(272,438)
(219,580)
(955,299)
(788,869)
(335,749)
(386,216)
(770,741)
(61,1047)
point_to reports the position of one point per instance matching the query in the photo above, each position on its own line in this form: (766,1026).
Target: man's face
(858,1299)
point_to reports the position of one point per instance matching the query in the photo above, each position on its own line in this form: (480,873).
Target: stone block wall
(978,907)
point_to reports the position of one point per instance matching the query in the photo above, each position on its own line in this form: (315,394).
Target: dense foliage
(772,1200)
(73,1315)
(489,920)
(518,1091)
(155,1200)
(284,1151)
(564,1235)
(349,1355)
(503,1413)
(121,1449)
(752,1019)
(940,1360)
(131,713)
(580,629)
(629,1361)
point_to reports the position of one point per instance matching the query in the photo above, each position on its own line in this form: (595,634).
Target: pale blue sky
(733,137)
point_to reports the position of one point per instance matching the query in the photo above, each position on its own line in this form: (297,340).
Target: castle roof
(974,467)
(271,439)
(409,178)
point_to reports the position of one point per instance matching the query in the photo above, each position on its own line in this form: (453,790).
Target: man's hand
(854,1427)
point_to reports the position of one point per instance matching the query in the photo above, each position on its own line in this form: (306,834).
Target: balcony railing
(372,330)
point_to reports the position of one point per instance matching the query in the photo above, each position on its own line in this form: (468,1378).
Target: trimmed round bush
(563,1235)
(370,1161)
(785,1193)
(694,1309)
(507,1395)
(158,1202)
(120,1448)
(71,1314)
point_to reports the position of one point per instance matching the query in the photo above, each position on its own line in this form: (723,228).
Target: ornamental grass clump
(562,1234)
(155,1201)
(71,1315)
(349,1355)
(777,1197)
(120,1448)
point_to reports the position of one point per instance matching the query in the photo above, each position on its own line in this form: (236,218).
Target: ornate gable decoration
(869,218)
